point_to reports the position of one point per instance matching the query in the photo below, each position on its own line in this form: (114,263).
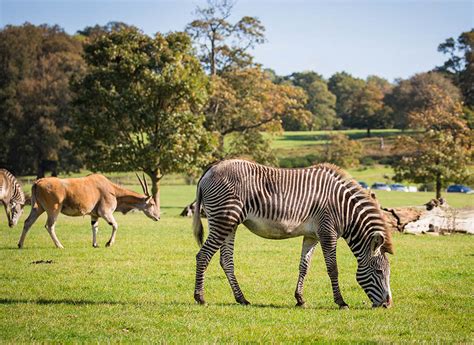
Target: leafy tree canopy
(443,152)
(417,93)
(460,63)
(321,102)
(140,105)
(36,63)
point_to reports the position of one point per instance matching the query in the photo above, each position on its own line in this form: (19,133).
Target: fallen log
(436,217)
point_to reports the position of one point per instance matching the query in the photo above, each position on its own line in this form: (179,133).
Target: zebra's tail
(197,224)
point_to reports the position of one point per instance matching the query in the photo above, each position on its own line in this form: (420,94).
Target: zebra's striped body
(319,203)
(12,197)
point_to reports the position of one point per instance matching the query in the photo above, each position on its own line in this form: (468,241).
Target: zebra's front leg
(328,245)
(307,251)
(227,264)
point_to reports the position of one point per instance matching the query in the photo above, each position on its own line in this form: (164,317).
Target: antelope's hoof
(20,246)
(95,245)
(344,307)
(108,244)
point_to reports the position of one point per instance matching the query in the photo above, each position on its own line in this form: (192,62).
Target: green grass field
(142,288)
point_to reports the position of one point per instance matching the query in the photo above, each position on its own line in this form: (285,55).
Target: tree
(36,63)
(344,87)
(443,152)
(140,105)
(243,96)
(221,44)
(246,99)
(367,109)
(321,102)
(460,64)
(417,93)
(360,103)
(93,32)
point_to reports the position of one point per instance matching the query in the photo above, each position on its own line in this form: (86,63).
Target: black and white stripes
(319,203)
(12,197)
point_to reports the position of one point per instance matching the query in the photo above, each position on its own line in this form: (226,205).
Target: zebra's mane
(357,189)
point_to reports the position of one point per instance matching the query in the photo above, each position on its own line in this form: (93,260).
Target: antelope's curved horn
(141,184)
(146,185)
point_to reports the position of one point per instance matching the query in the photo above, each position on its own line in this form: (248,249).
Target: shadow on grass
(59,301)
(8,301)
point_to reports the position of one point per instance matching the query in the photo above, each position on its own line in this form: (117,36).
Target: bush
(299,162)
(342,151)
(367,161)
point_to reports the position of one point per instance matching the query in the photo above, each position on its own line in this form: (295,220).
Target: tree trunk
(155,185)
(213,57)
(368,132)
(438,186)
(221,146)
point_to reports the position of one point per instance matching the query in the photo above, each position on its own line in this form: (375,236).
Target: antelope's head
(151,207)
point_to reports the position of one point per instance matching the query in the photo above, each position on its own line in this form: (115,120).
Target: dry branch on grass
(437,217)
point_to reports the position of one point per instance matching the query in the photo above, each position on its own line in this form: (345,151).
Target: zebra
(320,203)
(12,197)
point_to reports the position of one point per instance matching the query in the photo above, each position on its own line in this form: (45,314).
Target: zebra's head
(373,273)
(14,213)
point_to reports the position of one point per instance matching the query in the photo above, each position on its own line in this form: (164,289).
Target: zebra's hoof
(244,302)
(301,305)
(199,299)
(344,307)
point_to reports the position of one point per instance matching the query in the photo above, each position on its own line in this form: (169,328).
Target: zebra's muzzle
(387,304)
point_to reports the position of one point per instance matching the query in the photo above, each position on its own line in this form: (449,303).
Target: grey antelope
(92,195)
(319,203)
(11,196)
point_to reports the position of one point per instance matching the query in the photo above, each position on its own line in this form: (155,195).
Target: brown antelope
(92,195)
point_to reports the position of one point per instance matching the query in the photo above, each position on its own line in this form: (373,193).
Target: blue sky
(392,39)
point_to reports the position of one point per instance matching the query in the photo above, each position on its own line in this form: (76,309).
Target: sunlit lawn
(141,289)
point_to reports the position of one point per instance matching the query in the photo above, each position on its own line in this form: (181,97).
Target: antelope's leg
(227,264)
(51,225)
(307,251)
(32,217)
(111,220)
(95,228)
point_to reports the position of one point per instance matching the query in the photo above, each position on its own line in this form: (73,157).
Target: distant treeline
(87,99)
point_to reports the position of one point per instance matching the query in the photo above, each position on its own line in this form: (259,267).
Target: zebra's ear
(376,243)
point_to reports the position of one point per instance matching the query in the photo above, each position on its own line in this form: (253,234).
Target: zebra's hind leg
(211,246)
(328,245)
(227,264)
(309,243)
